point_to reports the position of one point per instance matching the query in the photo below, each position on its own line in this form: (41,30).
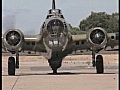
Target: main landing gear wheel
(99,64)
(11,66)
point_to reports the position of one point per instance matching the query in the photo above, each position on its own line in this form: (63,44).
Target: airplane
(55,42)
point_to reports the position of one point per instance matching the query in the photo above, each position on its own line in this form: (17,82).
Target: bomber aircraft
(55,42)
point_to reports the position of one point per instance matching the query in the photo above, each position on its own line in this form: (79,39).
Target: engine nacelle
(13,40)
(97,37)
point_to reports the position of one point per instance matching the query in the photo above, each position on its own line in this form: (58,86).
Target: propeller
(13,38)
(97,36)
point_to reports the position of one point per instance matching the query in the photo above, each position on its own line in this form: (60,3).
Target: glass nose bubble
(55,26)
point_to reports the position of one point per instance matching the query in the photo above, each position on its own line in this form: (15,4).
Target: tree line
(101,19)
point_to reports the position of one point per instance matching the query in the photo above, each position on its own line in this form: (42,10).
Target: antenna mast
(53,4)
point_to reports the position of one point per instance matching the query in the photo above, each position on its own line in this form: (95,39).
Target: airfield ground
(76,73)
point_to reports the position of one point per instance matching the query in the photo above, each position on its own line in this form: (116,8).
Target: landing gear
(93,59)
(55,71)
(99,64)
(54,64)
(11,66)
(17,60)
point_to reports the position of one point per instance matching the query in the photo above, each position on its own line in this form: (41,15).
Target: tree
(76,31)
(101,19)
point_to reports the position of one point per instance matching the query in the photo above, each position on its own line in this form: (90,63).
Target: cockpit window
(55,27)
(48,16)
(54,11)
(62,16)
(50,12)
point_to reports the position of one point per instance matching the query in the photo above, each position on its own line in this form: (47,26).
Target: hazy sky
(30,14)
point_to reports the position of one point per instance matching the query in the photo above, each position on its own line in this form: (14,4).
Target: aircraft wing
(79,42)
(33,43)
(96,39)
(14,40)
(113,39)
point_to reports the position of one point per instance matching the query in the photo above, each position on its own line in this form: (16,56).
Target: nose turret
(55,27)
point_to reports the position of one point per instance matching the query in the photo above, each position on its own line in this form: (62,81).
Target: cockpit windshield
(58,11)
(55,12)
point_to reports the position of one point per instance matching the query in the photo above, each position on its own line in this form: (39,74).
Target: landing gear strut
(93,59)
(17,60)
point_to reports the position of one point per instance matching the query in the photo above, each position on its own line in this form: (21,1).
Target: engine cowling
(13,40)
(97,37)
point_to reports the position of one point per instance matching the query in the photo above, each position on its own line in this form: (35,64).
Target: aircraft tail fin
(53,4)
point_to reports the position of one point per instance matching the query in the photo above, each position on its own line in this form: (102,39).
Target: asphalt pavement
(73,75)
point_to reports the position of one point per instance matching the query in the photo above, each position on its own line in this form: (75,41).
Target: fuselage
(55,31)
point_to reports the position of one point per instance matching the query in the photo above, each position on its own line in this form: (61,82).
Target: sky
(30,14)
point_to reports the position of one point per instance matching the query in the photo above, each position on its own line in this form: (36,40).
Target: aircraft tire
(11,66)
(54,71)
(99,64)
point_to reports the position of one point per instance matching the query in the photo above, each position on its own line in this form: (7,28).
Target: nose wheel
(55,64)
(55,71)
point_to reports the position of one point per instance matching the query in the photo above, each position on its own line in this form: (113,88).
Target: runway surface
(35,74)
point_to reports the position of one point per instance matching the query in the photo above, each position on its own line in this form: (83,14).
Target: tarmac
(35,74)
